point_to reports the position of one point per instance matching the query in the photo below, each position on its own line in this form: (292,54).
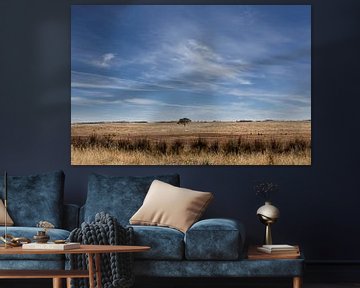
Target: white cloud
(274,98)
(143,101)
(192,65)
(104,61)
(198,58)
(86,101)
(97,81)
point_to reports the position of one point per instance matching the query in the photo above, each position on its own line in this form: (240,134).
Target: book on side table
(274,252)
(51,246)
(272,249)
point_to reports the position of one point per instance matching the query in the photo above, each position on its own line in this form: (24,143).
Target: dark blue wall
(318,203)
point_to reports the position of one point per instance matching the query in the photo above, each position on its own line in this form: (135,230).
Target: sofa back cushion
(119,196)
(35,198)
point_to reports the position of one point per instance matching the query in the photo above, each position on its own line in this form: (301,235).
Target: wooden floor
(339,285)
(47,284)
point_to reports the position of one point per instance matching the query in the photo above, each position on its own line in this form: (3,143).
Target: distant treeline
(198,121)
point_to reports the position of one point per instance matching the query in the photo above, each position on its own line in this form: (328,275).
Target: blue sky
(203,62)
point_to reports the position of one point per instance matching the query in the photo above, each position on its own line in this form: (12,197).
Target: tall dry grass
(100,156)
(104,150)
(218,143)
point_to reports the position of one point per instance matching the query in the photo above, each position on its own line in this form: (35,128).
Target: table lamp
(8,239)
(5,205)
(268,214)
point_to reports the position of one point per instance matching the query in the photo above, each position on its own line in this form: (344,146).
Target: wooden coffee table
(92,251)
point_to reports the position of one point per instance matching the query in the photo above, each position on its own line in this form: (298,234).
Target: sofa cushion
(9,221)
(35,198)
(170,206)
(165,243)
(119,196)
(214,239)
(29,232)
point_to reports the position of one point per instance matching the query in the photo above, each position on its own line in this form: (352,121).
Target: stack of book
(274,252)
(279,249)
(51,246)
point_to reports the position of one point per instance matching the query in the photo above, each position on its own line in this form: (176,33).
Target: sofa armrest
(215,239)
(71,216)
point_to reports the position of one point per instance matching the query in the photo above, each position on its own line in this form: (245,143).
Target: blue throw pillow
(121,197)
(35,198)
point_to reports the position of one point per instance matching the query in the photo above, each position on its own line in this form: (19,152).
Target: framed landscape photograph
(191,85)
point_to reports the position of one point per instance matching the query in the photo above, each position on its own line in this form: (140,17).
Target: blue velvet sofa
(210,248)
(32,199)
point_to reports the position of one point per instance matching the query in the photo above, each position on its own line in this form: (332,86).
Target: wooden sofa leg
(297,282)
(57,283)
(68,282)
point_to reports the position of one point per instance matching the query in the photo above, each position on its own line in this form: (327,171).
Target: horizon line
(193,121)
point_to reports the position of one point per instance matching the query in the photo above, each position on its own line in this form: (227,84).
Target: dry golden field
(197,143)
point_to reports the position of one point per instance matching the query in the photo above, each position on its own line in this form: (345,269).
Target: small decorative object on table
(11,241)
(278,249)
(261,253)
(41,236)
(268,213)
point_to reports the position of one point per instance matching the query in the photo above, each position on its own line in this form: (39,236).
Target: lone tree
(184,121)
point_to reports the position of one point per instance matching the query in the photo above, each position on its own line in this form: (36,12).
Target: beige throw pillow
(10,222)
(170,206)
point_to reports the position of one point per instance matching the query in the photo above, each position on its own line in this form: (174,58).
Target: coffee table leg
(297,282)
(57,283)
(98,270)
(91,270)
(68,282)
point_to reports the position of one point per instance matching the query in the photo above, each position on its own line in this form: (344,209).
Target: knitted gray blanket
(116,268)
